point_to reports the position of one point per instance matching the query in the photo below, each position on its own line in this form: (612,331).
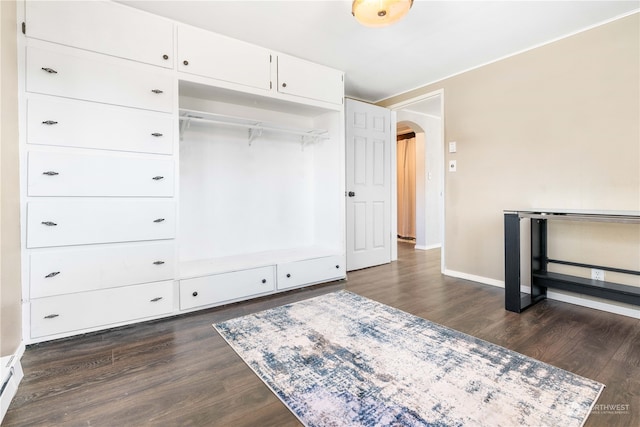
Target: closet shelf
(255,127)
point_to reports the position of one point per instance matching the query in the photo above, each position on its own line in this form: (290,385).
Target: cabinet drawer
(78,222)
(224,287)
(74,312)
(71,123)
(92,25)
(212,55)
(309,80)
(93,77)
(64,271)
(73,174)
(308,272)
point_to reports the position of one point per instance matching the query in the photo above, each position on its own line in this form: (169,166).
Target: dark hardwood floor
(180,372)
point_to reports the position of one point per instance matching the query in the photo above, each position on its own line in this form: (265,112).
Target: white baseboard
(568,297)
(474,278)
(428,247)
(11,374)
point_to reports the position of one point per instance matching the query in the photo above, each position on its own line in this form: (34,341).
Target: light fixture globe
(379,13)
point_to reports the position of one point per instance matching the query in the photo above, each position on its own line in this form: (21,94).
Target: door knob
(351,194)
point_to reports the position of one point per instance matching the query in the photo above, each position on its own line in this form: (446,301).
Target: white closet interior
(259,182)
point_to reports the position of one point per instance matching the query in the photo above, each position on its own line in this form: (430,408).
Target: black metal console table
(541,278)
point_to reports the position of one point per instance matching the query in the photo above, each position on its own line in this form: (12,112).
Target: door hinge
(270,85)
(270,59)
(24,28)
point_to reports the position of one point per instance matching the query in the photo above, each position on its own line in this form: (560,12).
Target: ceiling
(435,40)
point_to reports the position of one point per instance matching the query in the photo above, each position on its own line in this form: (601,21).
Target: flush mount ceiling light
(379,13)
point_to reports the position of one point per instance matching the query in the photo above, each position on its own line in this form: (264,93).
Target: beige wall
(10,289)
(554,127)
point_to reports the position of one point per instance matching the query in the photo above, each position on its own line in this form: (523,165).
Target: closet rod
(204,117)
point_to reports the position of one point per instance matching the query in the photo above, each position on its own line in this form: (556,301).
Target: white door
(369,138)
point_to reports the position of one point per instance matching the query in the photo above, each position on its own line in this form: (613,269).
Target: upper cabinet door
(309,80)
(103,27)
(211,55)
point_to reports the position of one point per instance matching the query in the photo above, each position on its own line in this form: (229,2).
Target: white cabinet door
(74,312)
(311,271)
(64,271)
(86,221)
(71,123)
(94,77)
(225,287)
(212,55)
(73,174)
(309,80)
(103,27)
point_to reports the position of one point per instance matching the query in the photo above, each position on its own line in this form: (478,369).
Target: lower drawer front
(64,271)
(310,271)
(224,287)
(74,312)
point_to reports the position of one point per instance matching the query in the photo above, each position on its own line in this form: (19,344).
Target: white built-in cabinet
(167,169)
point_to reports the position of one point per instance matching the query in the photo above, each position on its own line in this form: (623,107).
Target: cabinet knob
(158,220)
(50,173)
(351,194)
(157,91)
(185,62)
(284,85)
(195,293)
(49,122)
(288,275)
(337,266)
(165,57)
(264,280)
(157,178)
(49,223)
(156,134)
(158,262)
(49,70)
(156,299)
(51,316)
(52,274)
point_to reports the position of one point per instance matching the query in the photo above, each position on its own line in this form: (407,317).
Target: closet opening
(406,179)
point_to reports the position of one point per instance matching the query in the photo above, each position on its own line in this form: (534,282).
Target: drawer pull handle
(50,70)
(165,57)
(288,275)
(158,262)
(52,274)
(158,220)
(264,280)
(50,173)
(157,91)
(156,134)
(157,178)
(51,316)
(156,299)
(195,293)
(49,122)
(49,223)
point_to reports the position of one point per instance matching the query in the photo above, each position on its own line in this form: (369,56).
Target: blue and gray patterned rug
(344,360)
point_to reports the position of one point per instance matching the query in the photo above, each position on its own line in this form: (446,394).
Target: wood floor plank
(179,371)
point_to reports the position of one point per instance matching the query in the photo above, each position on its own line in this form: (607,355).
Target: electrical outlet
(597,274)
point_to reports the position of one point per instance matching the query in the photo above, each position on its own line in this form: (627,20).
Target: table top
(578,214)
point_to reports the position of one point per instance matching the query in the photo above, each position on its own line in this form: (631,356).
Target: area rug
(343,360)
